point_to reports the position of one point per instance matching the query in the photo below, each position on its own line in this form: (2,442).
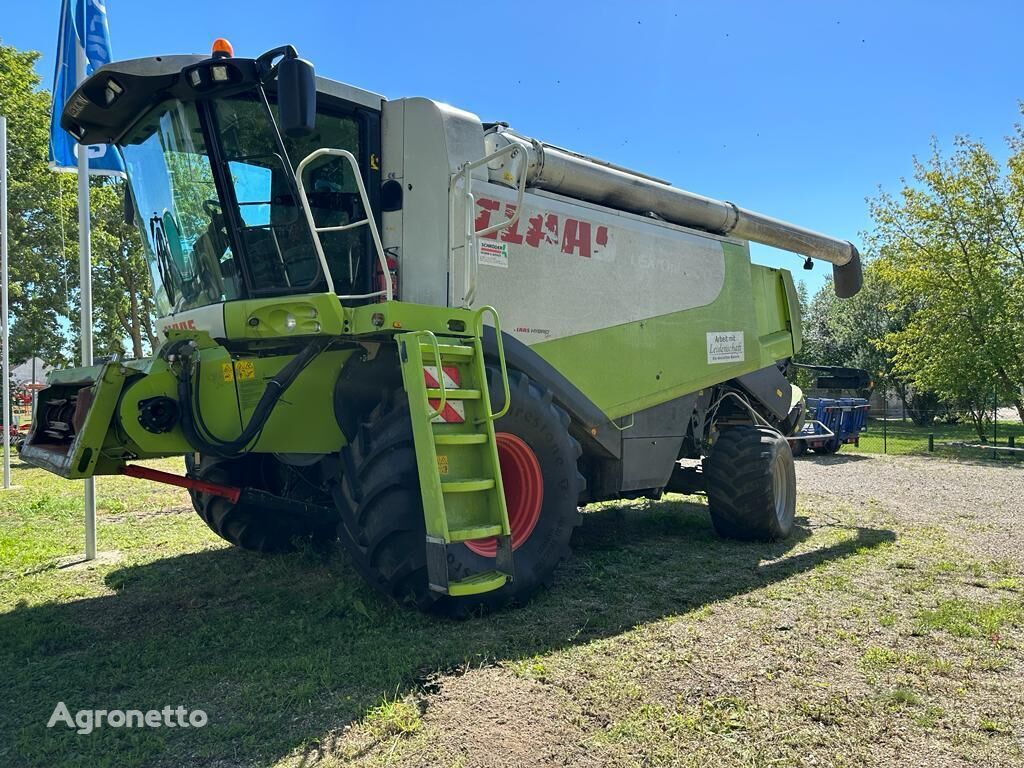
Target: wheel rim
(779,486)
(524,492)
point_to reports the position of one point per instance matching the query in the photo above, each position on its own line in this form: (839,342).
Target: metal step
(476,532)
(477,583)
(467,486)
(447,350)
(474,438)
(454,394)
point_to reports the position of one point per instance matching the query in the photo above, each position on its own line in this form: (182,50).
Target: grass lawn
(659,644)
(906,438)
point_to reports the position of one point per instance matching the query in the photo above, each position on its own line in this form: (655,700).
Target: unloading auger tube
(566,173)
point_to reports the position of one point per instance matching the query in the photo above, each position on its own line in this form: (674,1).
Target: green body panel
(232,383)
(229,391)
(313,314)
(303,420)
(218,397)
(321,314)
(626,368)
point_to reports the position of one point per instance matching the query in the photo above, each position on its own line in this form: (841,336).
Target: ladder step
(477,583)
(454,394)
(467,486)
(447,350)
(470,439)
(476,532)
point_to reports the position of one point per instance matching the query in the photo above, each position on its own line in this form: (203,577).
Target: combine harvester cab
(332,272)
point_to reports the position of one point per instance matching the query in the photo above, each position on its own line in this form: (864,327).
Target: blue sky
(797,109)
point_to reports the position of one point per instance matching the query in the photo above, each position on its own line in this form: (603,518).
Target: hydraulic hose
(191,419)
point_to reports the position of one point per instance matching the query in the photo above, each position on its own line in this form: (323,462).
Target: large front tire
(249,525)
(751,484)
(381,508)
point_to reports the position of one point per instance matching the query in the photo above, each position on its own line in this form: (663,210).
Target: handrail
(465,172)
(388,291)
(501,358)
(443,399)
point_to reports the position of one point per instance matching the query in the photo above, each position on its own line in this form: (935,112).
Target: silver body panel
(568,267)
(424,142)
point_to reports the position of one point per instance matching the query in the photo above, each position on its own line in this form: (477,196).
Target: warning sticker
(493,254)
(245,369)
(725,347)
(442,465)
(227,372)
(454,411)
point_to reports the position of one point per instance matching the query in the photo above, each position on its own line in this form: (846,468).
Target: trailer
(831,423)
(433,338)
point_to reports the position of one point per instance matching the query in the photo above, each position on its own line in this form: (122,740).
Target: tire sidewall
(535,420)
(781,453)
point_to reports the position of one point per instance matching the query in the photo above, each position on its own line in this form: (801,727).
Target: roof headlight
(113,91)
(220,74)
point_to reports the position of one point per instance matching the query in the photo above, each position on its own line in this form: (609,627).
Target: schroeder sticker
(493,254)
(725,347)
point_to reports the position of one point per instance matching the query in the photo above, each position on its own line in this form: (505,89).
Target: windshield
(179,211)
(214,233)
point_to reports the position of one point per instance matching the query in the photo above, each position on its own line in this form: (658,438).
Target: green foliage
(122,301)
(951,247)
(44,238)
(40,201)
(847,331)
(940,320)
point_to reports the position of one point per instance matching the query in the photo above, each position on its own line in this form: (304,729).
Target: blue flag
(83,24)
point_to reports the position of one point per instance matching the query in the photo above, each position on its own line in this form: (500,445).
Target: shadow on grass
(279,651)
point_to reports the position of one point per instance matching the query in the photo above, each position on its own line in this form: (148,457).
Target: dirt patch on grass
(845,647)
(979,502)
(494,719)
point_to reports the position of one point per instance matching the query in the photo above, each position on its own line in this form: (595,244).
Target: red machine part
(228,492)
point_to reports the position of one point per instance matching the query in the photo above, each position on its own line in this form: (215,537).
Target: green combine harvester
(432,338)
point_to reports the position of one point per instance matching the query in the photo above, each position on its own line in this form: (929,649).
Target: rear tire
(381,508)
(248,525)
(751,484)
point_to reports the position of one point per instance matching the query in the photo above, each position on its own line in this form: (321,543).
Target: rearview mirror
(296,97)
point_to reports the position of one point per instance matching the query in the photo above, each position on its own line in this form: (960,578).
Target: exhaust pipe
(584,178)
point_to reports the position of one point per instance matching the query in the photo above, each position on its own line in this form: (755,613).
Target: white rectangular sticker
(493,254)
(725,347)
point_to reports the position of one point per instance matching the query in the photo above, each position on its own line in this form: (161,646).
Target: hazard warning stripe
(454,411)
(451,376)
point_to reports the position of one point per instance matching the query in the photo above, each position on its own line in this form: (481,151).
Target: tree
(952,248)
(121,287)
(847,331)
(40,201)
(44,239)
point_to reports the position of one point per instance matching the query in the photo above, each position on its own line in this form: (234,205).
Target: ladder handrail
(501,358)
(388,291)
(443,399)
(469,243)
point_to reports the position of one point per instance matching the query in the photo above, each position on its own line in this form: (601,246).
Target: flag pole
(6,317)
(85,297)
